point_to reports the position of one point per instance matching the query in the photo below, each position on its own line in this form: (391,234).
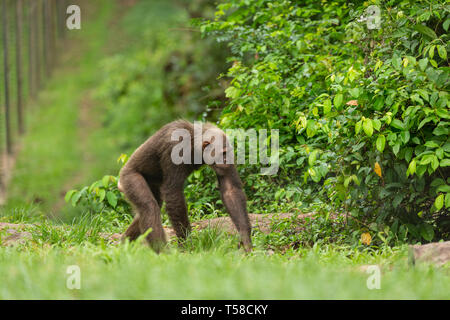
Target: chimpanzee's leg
(148,212)
(133,231)
(173,196)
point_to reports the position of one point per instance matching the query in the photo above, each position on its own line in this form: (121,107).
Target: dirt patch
(437,253)
(262,222)
(13,234)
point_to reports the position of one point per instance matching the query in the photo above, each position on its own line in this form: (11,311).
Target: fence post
(35,26)
(61,13)
(38,46)
(6,77)
(31,75)
(44,36)
(19,65)
(53,14)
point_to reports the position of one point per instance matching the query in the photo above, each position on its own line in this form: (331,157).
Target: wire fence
(30,33)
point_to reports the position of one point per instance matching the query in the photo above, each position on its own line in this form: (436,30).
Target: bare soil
(11,233)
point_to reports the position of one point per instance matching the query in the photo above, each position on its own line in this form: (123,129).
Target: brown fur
(150,177)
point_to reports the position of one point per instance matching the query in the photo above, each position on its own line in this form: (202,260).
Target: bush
(363,113)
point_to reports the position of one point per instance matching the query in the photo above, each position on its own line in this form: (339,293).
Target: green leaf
(105,181)
(427,232)
(425,31)
(434,98)
(75,198)
(354,92)
(424,94)
(408,154)
(441,112)
(381,142)
(299,162)
(312,157)
(431,52)
(69,195)
(396,62)
(446,24)
(376,124)
(439,202)
(327,106)
(112,199)
(431,144)
(435,163)
(437,182)
(425,121)
(396,148)
(421,170)
(338,100)
(442,52)
(423,64)
(445,163)
(440,130)
(397,200)
(404,136)
(314,174)
(426,159)
(101,194)
(446,147)
(368,127)
(232,92)
(379,103)
(411,168)
(358,126)
(447,200)
(443,188)
(398,124)
(310,128)
(347,181)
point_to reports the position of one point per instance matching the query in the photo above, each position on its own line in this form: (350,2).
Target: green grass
(208,265)
(38,270)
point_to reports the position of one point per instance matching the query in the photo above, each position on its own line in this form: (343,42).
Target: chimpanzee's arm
(234,199)
(172,193)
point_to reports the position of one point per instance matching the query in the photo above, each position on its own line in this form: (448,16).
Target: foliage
(103,198)
(363,114)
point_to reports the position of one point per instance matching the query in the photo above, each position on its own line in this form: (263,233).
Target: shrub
(363,113)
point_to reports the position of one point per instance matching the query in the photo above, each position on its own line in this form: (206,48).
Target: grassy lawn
(132,271)
(208,266)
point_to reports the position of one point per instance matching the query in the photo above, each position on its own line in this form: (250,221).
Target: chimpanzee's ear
(205,144)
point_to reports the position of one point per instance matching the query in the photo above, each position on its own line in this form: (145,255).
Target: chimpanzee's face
(217,150)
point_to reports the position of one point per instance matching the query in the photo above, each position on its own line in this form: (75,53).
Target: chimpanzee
(155,173)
